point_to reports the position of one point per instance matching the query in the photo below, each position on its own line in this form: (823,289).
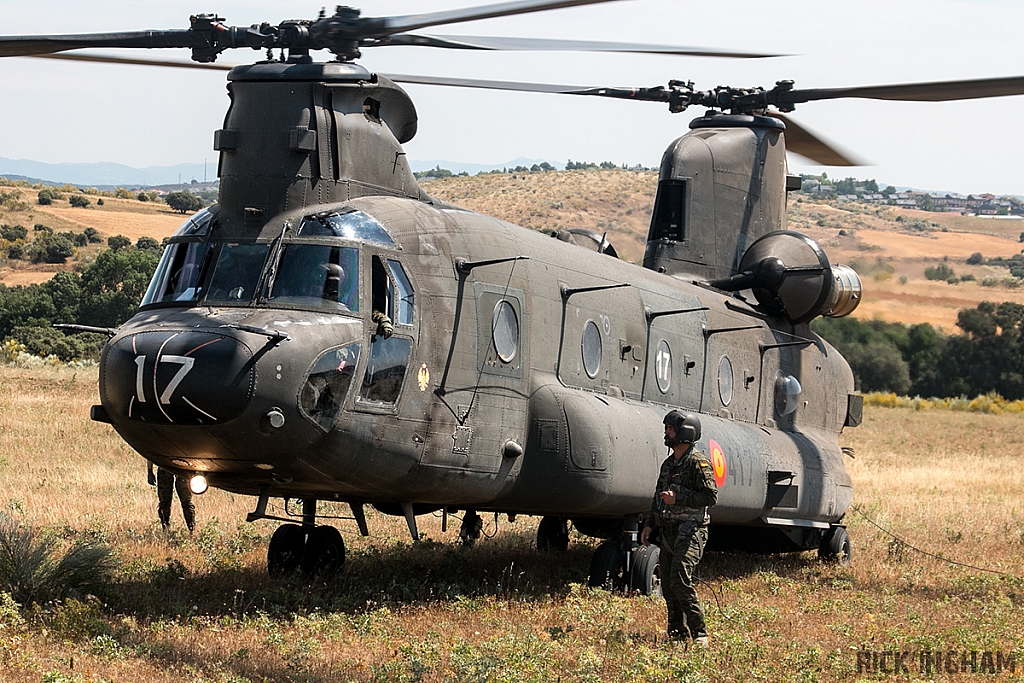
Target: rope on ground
(718,602)
(925,552)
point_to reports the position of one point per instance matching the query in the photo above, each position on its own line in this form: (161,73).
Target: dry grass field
(201,608)
(128,217)
(904,243)
(615,202)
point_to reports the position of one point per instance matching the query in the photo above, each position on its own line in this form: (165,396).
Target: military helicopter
(328,332)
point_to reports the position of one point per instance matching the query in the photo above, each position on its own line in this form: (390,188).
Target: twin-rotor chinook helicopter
(329,332)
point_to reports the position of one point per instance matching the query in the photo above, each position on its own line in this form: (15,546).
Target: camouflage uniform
(684,533)
(166,484)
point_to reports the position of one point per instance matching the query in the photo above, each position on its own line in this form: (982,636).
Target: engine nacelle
(790,275)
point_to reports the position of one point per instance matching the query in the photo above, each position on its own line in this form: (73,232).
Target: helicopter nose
(186,377)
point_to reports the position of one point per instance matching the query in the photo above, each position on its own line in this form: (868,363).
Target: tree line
(105,293)
(916,360)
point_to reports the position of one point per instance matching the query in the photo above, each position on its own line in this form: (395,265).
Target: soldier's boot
(472,527)
(165,517)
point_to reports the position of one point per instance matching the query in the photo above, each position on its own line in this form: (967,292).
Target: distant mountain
(118,175)
(107,173)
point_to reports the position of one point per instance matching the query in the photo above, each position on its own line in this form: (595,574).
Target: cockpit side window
(383,294)
(178,277)
(403,294)
(317,275)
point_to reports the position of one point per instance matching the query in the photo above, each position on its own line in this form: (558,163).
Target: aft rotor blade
(106,59)
(803,141)
(553,45)
(413,22)
(23,46)
(939,91)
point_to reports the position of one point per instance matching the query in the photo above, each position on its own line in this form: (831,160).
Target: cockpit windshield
(237,273)
(318,275)
(305,269)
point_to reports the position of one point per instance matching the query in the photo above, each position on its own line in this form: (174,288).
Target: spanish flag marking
(718,462)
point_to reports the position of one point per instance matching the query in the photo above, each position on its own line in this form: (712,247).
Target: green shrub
(12,233)
(35,570)
(78,620)
(939,272)
(117,242)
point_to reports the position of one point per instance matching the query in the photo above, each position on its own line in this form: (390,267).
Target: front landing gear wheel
(325,552)
(835,546)
(608,566)
(553,534)
(286,549)
(646,573)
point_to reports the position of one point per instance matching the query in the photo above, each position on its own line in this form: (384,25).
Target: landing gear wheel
(646,573)
(472,528)
(325,552)
(286,549)
(553,534)
(835,546)
(608,566)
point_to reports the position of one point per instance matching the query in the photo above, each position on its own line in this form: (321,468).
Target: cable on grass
(925,552)
(715,595)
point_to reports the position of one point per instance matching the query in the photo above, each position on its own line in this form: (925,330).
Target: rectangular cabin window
(671,210)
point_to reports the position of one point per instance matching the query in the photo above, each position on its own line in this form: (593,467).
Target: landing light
(198,484)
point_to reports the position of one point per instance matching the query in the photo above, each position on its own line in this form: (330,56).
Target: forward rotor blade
(642,94)
(939,91)
(803,141)
(23,46)
(552,45)
(412,22)
(104,59)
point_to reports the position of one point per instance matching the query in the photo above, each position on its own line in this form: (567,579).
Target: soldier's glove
(150,478)
(384,327)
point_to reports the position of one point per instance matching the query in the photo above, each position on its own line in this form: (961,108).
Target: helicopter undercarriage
(620,562)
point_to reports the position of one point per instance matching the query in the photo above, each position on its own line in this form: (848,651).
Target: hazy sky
(142,116)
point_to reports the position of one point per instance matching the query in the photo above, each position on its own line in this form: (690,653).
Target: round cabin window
(505,331)
(591,349)
(725,380)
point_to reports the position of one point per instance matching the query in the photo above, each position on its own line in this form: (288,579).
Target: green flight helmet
(687,426)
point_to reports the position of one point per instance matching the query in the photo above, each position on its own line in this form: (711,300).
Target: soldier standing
(686,489)
(166,484)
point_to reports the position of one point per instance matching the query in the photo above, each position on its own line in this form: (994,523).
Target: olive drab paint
(524,375)
(329,332)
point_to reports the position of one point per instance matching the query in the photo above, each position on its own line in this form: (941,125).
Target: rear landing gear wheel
(646,573)
(286,549)
(835,546)
(325,552)
(608,566)
(553,534)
